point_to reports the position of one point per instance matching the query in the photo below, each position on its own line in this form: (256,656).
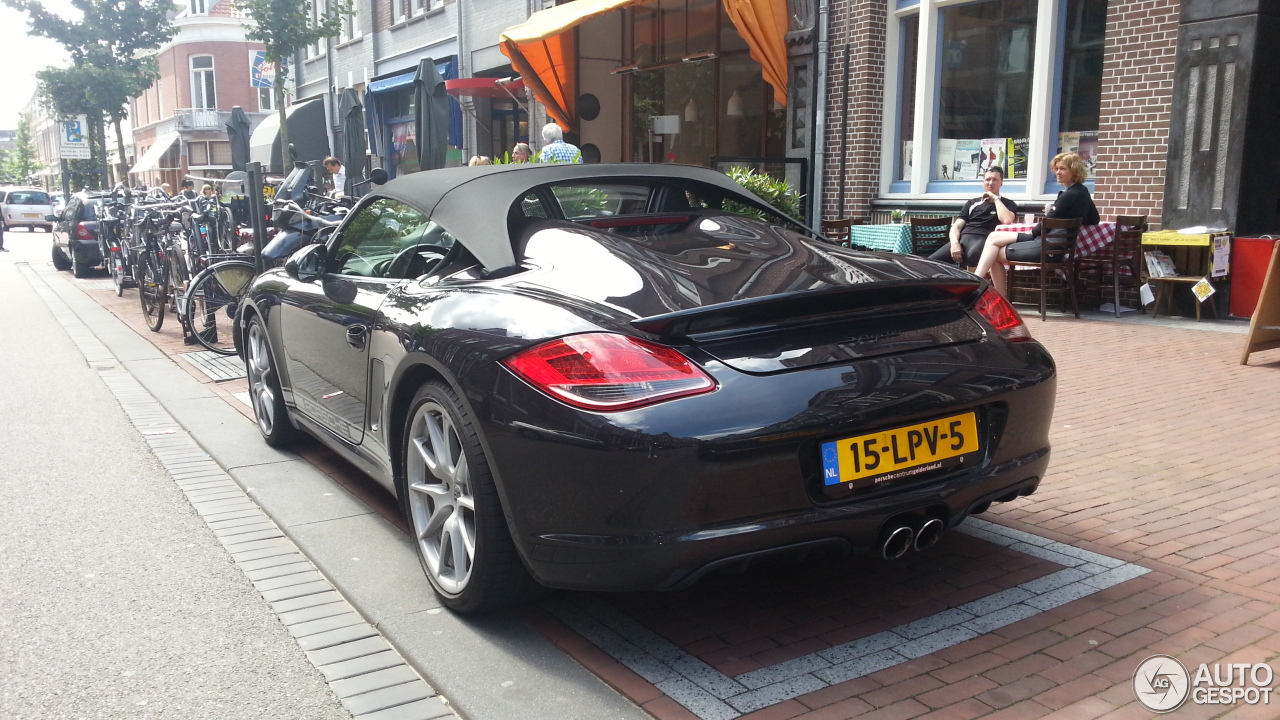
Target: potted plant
(897,216)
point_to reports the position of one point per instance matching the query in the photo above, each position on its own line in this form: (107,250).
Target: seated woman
(1074,202)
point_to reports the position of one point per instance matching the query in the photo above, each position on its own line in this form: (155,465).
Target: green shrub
(777,193)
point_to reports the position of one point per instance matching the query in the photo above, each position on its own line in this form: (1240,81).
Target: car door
(64,229)
(326,324)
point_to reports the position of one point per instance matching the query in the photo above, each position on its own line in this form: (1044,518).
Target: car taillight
(603,371)
(996,310)
(82,232)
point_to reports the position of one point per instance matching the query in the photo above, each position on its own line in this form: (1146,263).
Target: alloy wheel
(441,502)
(259,371)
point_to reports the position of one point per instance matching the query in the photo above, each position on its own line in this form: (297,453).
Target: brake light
(603,371)
(1007,323)
(82,232)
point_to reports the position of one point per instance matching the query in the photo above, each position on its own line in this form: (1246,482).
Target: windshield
(28,197)
(295,185)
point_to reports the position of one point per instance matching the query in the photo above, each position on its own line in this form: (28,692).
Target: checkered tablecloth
(1089,240)
(895,237)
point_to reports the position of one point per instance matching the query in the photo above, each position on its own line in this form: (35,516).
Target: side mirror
(307,264)
(56,217)
(378,176)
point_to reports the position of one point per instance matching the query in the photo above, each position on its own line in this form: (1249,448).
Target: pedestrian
(477,160)
(207,190)
(556,149)
(338,173)
(188,189)
(521,153)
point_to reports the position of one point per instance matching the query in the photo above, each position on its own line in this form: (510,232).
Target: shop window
(672,120)
(986,57)
(1082,79)
(909,43)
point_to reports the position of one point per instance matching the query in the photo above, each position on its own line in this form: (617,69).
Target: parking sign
(73,141)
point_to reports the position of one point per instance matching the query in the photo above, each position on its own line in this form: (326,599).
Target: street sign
(73,142)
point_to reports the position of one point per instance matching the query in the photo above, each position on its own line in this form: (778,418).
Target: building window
(197,153)
(696,92)
(983,91)
(211,153)
(266,99)
(350,25)
(1082,79)
(203,95)
(199,7)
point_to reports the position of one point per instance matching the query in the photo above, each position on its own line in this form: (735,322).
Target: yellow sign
(1169,237)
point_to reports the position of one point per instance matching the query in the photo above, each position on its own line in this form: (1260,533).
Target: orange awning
(542,50)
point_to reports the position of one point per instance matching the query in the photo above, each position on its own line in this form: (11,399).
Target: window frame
(196,83)
(1046,100)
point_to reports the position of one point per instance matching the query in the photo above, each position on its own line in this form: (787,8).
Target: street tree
(21,162)
(285,28)
(112,49)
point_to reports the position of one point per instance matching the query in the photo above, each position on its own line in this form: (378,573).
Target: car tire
(451,504)
(79,267)
(265,395)
(61,262)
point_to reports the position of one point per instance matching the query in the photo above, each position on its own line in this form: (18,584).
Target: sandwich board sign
(73,139)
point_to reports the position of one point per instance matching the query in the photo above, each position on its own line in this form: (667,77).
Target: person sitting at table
(977,219)
(1074,202)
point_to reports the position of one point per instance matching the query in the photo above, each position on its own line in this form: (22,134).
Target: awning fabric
(542,50)
(391,83)
(482,87)
(150,160)
(763,24)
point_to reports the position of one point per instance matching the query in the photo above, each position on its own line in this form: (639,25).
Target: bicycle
(155,261)
(212,299)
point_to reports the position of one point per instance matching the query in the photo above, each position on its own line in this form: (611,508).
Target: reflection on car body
(594,377)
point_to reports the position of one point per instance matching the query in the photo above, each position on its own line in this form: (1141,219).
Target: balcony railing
(199,119)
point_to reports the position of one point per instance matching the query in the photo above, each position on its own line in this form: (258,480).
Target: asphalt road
(116,600)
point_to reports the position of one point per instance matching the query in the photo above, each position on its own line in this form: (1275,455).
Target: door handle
(357,335)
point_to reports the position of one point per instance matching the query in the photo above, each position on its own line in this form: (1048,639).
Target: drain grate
(220,368)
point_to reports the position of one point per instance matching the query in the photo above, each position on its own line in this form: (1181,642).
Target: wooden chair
(838,230)
(929,234)
(1125,252)
(1057,248)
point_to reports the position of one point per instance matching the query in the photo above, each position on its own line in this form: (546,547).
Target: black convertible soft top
(472,202)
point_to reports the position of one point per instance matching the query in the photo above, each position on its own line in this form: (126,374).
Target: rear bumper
(653,499)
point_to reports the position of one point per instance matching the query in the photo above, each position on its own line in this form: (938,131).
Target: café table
(893,237)
(1089,240)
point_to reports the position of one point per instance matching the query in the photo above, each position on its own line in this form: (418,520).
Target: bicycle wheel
(211,303)
(153,289)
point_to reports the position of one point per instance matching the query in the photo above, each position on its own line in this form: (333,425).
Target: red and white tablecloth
(1089,240)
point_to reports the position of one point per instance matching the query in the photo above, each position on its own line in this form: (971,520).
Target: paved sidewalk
(1164,471)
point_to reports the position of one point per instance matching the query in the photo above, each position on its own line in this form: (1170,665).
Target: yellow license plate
(30,214)
(899,453)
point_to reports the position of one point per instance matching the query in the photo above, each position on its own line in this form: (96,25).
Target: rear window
(27,197)
(600,200)
(91,210)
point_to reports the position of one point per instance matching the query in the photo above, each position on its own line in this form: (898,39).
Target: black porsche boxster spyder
(609,377)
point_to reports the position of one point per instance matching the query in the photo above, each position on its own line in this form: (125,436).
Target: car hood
(704,261)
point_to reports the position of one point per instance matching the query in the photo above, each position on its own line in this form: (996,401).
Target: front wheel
(153,290)
(264,388)
(212,301)
(451,503)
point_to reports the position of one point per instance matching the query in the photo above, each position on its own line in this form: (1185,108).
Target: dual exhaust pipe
(917,534)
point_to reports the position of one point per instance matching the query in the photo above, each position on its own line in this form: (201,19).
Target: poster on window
(1068,142)
(404,149)
(1088,150)
(993,153)
(908,149)
(1016,158)
(946,159)
(968,165)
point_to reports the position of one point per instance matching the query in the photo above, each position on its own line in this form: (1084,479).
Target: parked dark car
(597,377)
(75,236)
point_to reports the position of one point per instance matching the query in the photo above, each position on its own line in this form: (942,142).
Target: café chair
(1057,248)
(929,234)
(838,230)
(1125,252)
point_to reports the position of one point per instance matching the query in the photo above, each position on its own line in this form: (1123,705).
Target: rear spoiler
(805,307)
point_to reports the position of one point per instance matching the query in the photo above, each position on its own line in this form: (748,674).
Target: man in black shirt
(977,219)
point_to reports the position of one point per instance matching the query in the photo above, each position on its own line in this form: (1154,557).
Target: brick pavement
(1164,456)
